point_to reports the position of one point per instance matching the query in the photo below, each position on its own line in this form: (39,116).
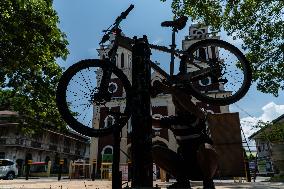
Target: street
(52,183)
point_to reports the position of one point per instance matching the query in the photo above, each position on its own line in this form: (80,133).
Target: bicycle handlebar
(124,14)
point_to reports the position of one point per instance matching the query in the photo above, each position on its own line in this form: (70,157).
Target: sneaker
(180,185)
(208,184)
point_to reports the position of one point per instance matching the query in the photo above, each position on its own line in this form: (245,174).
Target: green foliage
(273,132)
(251,157)
(258,23)
(30,42)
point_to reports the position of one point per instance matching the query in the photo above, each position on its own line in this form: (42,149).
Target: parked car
(8,169)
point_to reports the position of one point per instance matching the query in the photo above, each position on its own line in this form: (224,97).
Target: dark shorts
(184,163)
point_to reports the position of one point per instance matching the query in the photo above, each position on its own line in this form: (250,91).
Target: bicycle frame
(170,78)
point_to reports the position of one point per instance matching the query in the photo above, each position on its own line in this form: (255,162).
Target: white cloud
(270,112)
(247,125)
(157,41)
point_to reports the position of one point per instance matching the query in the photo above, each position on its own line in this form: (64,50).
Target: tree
(30,42)
(258,23)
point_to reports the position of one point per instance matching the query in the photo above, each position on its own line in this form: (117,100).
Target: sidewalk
(52,183)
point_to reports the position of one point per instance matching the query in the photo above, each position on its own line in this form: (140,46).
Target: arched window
(107,154)
(202,53)
(213,51)
(199,33)
(122,60)
(108,151)
(47,159)
(109,121)
(129,61)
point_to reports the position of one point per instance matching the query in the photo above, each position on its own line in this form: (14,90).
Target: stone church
(102,148)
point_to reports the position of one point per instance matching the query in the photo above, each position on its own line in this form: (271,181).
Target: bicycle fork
(103,95)
(173,47)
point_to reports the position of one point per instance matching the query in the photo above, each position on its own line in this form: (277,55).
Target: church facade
(101,149)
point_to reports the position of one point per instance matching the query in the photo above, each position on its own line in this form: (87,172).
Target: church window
(108,151)
(112,88)
(129,60)
(202,54)
(205,81)
(213,51)
(109,121)
(107,154)
(122,60)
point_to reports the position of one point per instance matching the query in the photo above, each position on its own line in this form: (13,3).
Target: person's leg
(171,162)
(208,163)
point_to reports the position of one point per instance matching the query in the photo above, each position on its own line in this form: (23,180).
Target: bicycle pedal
(224,81)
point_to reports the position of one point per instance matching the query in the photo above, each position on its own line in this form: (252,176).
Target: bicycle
(103,97)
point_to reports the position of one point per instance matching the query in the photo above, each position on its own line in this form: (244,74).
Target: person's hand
(156,89)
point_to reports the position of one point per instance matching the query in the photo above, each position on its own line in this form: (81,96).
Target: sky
(84,20)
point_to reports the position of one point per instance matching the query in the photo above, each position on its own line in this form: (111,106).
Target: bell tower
(196,33)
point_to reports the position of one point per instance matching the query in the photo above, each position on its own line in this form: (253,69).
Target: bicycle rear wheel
(230,73)
(81,104)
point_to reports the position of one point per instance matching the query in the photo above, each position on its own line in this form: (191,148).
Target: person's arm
(164,122)
(184,100)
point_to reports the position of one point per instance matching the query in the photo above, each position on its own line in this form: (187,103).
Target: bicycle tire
(68,81)
(240,62)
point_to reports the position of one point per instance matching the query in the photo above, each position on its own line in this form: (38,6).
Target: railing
(78,152)
(52,147)
(13,141)
(10,141)
(3,141)
(35,144)
(19,141)
(66,150)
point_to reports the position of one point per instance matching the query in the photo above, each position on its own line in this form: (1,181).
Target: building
(263,147)
(101,148)
(49,145)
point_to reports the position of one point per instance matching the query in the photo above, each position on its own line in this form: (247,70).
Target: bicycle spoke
(228,71)
(85,81)
(83,100)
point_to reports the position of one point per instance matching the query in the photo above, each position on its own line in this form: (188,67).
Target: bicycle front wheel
(226,75)
(84,107)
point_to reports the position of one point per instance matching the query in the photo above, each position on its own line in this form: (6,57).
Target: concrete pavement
(52,183)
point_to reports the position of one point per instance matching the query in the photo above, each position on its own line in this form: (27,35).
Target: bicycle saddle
(177,24)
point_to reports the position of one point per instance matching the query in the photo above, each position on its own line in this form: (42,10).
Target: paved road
(52,183)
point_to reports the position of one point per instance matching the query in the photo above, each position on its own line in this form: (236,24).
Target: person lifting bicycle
(196,159)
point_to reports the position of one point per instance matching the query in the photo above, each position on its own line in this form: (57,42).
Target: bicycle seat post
(177,24)
(173,47)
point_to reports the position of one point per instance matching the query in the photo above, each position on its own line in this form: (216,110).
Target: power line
(241,125)
(244,110)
